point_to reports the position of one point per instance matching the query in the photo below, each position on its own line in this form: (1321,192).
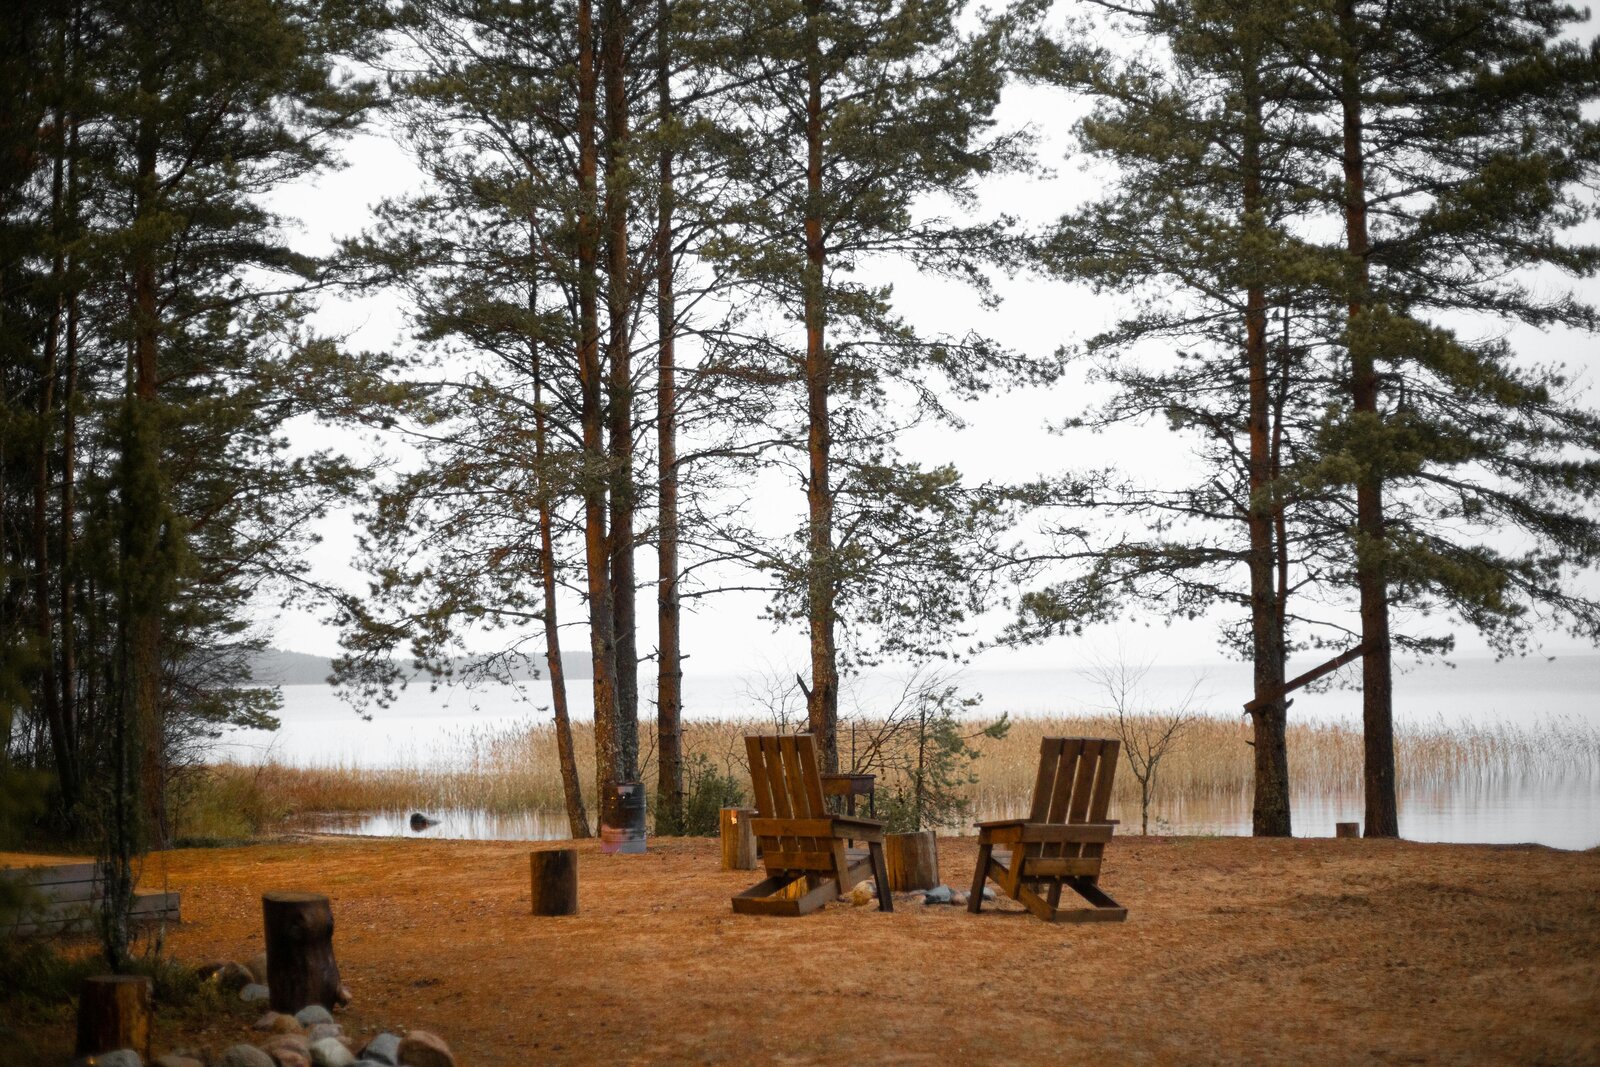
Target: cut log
(113,1013)
(1346,829)
(555,881)
(912,859)
(301,970)
(738,840)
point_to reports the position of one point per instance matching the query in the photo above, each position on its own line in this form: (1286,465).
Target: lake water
(433,728)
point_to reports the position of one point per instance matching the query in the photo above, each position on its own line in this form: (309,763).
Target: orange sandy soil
(1305,951)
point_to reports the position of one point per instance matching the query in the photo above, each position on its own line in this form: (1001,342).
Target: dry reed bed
(516,770)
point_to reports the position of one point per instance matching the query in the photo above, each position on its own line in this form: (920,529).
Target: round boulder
(244,1056)
(423,1049)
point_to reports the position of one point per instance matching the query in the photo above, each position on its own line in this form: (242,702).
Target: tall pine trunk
(571,787)
(669,666)
(146,560)
(822,702)
(624,615)
(1271,808)
(597,551)
(1377,713)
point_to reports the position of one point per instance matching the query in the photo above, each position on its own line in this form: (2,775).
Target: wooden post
(113,1013)
(912,860)
(738,839)
(301,970)
(555,881)
(1346,829)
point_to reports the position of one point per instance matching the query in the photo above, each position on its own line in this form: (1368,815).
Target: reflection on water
(1564,815)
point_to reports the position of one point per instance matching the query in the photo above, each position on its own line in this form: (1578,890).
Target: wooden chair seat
(803,845)
(1062,842)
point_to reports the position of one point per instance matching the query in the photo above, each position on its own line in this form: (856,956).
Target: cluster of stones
(309,1038)
(867,893)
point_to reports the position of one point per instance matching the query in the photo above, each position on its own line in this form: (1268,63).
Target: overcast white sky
(1005,437)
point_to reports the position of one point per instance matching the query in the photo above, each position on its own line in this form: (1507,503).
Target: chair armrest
(1082,833)
(991,824)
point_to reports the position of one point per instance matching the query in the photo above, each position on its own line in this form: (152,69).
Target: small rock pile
(308,1038)
(867,893)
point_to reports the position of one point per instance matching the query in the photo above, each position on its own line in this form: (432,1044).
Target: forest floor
(1235,950)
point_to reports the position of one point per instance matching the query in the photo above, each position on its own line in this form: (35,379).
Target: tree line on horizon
(639,273)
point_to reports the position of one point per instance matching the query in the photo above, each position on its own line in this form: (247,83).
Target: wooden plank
(792,827)
(1091,915)
(765,906)
(758,777)
(1083,833)
(39,877)
(1110,749)
(1059,867)
(810,777)
(790,858)
(1049,763)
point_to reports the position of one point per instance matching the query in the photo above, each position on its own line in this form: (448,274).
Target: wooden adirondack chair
(1062,840)
(800,839)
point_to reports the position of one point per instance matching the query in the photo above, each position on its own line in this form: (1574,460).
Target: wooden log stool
(738,839)
(912,860)
(113,1013)
(555,881)
(1346,829)
(301,970)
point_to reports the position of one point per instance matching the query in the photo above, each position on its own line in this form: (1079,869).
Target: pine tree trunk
(146,566)
(69,499)
(823,700)
(1377,715)
(613,34)
(597,552)
(1270,817)
(572,789)
(669,666)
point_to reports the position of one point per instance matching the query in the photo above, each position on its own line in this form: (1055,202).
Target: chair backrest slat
(1049,764)
(787,785)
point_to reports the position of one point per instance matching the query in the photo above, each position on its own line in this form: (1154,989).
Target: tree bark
(912,860)
(146,566)
(554,875)
(571,787)
(822,702)
(114,1013)
(1377,713)
(669,663)
(597,551)
(1270,816)
(624,596)
(301,970)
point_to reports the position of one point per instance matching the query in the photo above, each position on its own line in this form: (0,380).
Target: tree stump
(555,881)
(738,839)
(113,1013)
(301,970)
(912,860)
(1346,829)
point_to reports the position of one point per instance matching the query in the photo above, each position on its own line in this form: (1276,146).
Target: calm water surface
(435,728)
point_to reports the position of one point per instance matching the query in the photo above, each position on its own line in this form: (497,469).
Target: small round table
(850,786)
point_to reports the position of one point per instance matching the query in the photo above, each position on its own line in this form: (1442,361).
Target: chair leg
(880,875)
(975,901)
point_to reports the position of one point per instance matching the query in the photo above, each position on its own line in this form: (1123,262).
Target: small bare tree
(1147,734)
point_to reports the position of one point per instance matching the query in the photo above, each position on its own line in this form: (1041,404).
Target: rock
(122,1057)
(172,1060)
(275,1022)
(296,1043)
(312,1014)
(937,895)
(988,894)
(420,822)
(258,967)
(322,1030)
(288,1057)
(330,1052)
(225,973)
(422,1049)
(344,998)
(255,993)
(861,895)
(244,1056)
(958,898)
(385,1048)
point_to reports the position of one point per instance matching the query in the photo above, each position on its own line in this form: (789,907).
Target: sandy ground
(1235,950)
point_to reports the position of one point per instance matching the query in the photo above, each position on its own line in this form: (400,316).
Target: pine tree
(1199,226)
(855,113)
(1463,160)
